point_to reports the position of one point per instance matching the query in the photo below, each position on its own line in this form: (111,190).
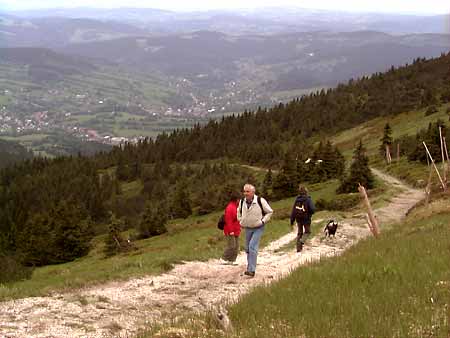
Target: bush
(12,270)
(431,110)
(153,222)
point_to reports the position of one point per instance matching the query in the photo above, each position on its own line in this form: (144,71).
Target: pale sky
(391,6)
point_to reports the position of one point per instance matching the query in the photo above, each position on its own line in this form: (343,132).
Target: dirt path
(119,309)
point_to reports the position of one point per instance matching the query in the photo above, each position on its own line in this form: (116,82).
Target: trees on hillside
(432,139)
(325,162)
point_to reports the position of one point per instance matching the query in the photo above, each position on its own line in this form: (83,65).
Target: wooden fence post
(428,187)
(444,174)
(371,219)
(388,154)
(446,156)
(398,151)
(434,165)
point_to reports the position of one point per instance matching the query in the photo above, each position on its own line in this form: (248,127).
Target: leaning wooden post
(388,154)
(443,158)
(398,151)
(446,155)
(434,165)
(428,187)
(371,219)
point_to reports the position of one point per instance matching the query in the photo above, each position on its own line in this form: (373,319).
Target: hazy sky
(399,6)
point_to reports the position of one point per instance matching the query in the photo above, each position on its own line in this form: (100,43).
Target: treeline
(12,152)
(412,146)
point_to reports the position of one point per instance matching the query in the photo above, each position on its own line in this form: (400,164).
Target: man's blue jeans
(252,237)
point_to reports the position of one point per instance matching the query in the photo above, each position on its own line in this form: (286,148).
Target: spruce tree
(267,184)
(114,242)
(386,140)
(285,182)
(359,172)
(181,201)
(153,221)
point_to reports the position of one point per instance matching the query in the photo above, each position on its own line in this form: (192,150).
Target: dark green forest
(51,208)
(12,152)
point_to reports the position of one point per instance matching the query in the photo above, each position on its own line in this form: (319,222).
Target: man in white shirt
(253,214)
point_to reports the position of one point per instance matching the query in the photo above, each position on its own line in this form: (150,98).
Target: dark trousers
(304,230)
(231,249)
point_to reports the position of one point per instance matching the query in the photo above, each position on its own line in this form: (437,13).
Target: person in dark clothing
(302,212)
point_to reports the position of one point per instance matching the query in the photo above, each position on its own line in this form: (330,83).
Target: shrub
(12,270)
(431,110)
(153,222)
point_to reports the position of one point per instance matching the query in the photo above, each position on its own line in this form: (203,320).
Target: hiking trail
(120,309)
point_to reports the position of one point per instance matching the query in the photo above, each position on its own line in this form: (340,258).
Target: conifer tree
(153,221)
(359,172)
(181,201)
(285,182)
(114,242)
(386,140)
(267,184)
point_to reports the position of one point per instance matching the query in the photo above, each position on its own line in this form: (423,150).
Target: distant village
(42,121)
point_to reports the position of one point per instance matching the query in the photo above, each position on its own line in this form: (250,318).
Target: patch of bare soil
(120,309)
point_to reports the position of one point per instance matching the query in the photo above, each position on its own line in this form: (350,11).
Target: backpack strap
(259,203)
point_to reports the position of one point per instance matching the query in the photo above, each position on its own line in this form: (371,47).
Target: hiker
(231,229)
(253,213)
(301,213)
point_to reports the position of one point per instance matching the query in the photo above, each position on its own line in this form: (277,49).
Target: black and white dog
(330,228)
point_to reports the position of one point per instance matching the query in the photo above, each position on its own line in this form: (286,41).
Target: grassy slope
(397,286)
(403,124)
(410,268)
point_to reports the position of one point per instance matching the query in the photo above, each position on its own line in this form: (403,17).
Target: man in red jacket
(231,230)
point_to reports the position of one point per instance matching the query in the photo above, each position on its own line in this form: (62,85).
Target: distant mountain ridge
(44,64)
(58,31)
(262,20)
(211,59)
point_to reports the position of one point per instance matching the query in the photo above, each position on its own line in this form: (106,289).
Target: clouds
(404,6)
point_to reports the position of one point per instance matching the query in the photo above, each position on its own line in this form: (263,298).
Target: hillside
(52,31)
(123,181)
(120,307)
(48,92)
(272,62)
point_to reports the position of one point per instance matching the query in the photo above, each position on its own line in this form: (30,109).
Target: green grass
(130,189)
(4,100)
(372,131)
(396,286)
(25,138)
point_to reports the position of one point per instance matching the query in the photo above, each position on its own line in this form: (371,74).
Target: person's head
(249,191)
(302,190)
(234,195)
